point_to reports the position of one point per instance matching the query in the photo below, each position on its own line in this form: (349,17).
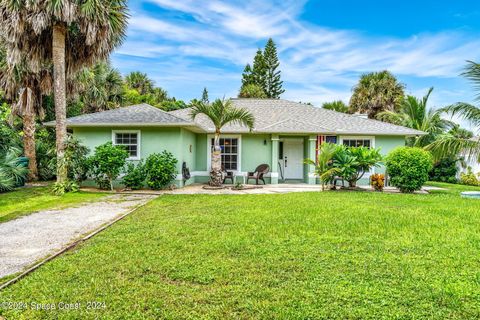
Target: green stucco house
(285,133)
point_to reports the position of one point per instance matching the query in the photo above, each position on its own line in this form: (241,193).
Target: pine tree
(205,96)
(259,70)
(272,81)
(247,77)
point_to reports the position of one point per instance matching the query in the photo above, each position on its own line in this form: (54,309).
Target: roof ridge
(292,119)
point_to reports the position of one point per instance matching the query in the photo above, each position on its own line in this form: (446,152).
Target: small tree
(408,168)
(323,166)
(252,91)
(107,162)
(205,96)
(221,113)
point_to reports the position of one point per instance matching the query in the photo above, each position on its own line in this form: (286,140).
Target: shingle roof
(136,115)
(282,116)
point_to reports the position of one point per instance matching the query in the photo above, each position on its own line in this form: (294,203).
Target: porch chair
(227,175)
(258,173)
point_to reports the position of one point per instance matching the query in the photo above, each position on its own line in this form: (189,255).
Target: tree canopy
(376,92)
(264,74)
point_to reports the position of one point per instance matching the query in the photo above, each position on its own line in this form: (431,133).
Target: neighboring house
(285,133)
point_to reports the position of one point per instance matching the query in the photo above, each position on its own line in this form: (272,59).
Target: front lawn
(327,255)
(27,200)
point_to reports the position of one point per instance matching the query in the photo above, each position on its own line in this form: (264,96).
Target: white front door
(293,158)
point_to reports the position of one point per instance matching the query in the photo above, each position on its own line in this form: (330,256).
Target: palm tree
(414,114)
(376,92)
(221,113)
(100,87)
(324,168)
(139,81)
(25,89)
(454,143)
(70,34)
(337,105)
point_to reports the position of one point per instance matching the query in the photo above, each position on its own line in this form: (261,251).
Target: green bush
(60,188)
(76,160)
(160,170)
(107,163)
(408,168)
(445,170)
(469,178)
(134,177)
(11,171)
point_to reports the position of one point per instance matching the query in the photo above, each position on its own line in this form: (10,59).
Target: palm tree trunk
(29,145)
(58,57)
(216,178)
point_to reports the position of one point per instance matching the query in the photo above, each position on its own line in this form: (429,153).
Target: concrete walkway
(25,240)
(252,189)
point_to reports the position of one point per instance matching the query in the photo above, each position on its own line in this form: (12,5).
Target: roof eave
(130,124)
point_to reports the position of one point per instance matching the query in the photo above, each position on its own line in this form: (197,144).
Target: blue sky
(185,45)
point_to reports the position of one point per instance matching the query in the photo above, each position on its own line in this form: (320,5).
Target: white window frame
(371,138)
(225,136)
(139,141)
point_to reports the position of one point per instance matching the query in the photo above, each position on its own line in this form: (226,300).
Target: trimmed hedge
(408,168)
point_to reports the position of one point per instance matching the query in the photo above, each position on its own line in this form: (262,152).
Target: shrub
(106,163)
(377,181)
(60,188)
(408,168)
(134,177)
(354,162)
(160,170)
(445,170)
(469,178)
(76,160)
(11,171)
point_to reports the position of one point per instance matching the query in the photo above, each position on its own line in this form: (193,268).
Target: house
(285,133)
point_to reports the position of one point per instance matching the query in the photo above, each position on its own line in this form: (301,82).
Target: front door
(293,159)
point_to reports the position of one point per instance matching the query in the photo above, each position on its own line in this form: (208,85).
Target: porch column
(274,171)
(312,179)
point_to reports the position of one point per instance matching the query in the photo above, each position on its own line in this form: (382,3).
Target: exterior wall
(192,148)
(188,148)
(256,150)
(152,140)
(387,144)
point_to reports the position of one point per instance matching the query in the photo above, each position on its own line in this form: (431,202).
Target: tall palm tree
(100,88)
(70,34)
(139,81)
(221,113)
(413,113)
(25,89)
(452,142)
(376,92)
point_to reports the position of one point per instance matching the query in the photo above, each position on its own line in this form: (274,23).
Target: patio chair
(227,175)
(258,173)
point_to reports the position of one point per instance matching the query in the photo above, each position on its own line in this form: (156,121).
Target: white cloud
(212,40)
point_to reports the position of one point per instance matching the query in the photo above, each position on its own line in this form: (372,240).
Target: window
(357,143)
(229,153)
(130,140)
(331,139)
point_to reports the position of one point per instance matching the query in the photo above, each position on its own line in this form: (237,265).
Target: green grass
(343,255)
(27,200)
